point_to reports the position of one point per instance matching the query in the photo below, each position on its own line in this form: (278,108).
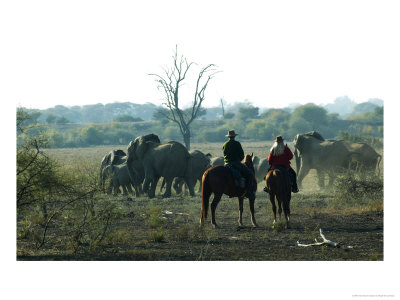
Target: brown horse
(219,180)
(278,184)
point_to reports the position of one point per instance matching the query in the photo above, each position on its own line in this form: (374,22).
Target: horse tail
(280,186)
(205,195)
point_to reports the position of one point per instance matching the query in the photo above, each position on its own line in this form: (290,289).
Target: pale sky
(271,53)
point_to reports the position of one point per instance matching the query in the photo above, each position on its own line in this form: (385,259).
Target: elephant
(314,152)
(119,178)
(167,160)
(200,163)
(261,167)
(114,157)
(364,156)
(118,157)
(217,161)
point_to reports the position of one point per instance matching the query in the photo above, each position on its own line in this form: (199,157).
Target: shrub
(154,217)
(352,189)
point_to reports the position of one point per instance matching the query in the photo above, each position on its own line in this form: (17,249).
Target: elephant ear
(138,148)
(132,150)
(106,160)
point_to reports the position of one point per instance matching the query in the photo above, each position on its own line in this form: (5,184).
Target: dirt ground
(182,239)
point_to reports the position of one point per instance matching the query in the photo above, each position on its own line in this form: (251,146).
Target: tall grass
(358,190)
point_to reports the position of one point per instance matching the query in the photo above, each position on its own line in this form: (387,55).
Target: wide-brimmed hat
(279,139)
(231,133)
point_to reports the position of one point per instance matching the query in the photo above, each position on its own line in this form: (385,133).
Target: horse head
(248,161)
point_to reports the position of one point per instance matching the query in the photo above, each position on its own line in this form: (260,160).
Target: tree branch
(324,242)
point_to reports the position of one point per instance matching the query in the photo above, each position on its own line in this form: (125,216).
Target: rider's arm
(240,152)
(270,159)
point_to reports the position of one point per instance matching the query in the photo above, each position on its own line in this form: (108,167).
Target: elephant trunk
(297,157)
(131,170)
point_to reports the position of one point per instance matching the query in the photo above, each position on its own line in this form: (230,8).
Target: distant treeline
(127,111)
(67,130)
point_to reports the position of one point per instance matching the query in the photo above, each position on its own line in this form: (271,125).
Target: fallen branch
(324,242)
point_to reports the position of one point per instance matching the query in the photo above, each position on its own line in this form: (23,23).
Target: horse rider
(233,155)
(280,155)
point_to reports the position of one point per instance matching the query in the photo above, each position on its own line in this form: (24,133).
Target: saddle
(238,178)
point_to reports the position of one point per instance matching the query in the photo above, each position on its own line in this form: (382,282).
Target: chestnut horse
(219,180)
(278,184)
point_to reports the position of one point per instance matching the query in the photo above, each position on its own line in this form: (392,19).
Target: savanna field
(97,226)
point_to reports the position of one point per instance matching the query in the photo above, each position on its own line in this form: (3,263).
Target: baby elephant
(119,178)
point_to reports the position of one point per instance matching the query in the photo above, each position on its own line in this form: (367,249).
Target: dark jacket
(232,151)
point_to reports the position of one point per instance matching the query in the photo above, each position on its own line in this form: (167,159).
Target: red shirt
(282,159)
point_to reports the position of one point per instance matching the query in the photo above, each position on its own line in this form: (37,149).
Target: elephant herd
(147,160)
(312,151)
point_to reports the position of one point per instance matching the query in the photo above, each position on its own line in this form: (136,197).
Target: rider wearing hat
(280,155)
(233,155)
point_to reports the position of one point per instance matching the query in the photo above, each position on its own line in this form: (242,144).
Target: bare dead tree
(170,83)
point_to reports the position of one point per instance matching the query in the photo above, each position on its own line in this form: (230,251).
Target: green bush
(353,189)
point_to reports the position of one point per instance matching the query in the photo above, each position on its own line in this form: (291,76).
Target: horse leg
(286,211)
(240,201)
(214,203)
(279,207)
(272,199)
(253,218)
